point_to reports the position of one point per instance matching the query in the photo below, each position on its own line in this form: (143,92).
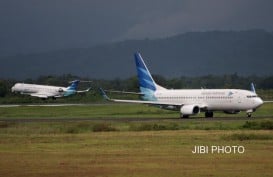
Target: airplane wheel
(209,114)
(248,115)
(184,116)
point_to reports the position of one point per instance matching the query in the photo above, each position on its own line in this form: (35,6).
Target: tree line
(262,83)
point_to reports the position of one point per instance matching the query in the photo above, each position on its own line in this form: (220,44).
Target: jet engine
(189,109)
(61,90)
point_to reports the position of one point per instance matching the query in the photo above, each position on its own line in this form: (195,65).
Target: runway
(142,119)
(47,105)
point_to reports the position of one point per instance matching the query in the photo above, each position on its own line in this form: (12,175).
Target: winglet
(88,89)
(102,92)
(252,88)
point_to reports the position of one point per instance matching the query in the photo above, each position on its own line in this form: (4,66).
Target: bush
(72,130)
(243,137)
(251,125)
(103,127)
(267,125)
(264,125)
(154,127)
(6,124)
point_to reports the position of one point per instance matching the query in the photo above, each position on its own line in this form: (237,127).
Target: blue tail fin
(144,77)
(74,85)
(146,82)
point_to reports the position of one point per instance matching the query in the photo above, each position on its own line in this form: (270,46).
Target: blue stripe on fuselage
(148,94)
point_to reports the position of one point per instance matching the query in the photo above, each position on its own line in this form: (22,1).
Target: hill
(190,54)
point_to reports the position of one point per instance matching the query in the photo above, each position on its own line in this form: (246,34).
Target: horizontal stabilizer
(83,91)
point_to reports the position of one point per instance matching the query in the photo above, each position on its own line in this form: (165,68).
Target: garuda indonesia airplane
(191,101)
(46,91)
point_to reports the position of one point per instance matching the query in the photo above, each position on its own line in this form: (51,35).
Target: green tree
(3,89)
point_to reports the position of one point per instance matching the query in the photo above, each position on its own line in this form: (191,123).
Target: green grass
(116,148)
(88,111)
(78,127)
(146,153)
(248,136)
(107,111)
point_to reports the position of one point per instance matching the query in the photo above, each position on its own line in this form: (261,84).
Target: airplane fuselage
(40,90)
(191,101)
(212,99)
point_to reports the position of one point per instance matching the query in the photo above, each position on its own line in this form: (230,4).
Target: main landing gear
(184,116)
(209,114)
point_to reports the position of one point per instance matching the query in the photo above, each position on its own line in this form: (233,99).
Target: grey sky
(40,25)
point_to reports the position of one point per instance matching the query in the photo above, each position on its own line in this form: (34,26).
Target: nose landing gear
(249,114)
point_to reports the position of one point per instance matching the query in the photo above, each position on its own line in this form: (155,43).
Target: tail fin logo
(144,77)
(74,85)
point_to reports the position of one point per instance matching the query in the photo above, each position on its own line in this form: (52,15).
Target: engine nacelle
(189,109)
(61,90)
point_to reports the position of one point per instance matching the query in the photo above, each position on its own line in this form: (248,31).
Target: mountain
(189,54)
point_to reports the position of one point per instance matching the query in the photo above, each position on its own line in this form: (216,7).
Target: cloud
(32,25)
(206,15)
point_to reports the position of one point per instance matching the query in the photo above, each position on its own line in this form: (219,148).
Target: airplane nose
(13,89)
(259,102)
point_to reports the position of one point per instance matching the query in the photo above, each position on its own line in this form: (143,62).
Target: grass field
(146,153)
(115,148)
(107,111)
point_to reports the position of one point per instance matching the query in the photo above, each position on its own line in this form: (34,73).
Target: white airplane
(191,101)
(46,91)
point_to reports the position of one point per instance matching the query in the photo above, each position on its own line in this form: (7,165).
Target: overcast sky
(39,25)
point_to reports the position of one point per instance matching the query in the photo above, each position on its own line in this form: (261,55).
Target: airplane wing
(43,95)
(83,91)
(158,103)
(145,102)
(268,101)
(39,95)
(124,92)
